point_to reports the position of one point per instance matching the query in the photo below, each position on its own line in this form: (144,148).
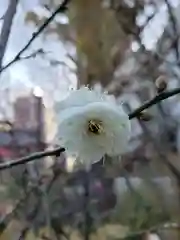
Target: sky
(28,73)
(36,71)
(154,29)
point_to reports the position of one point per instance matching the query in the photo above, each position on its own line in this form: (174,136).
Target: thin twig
(31,158)
(61,9)
(34,54)
(158,98)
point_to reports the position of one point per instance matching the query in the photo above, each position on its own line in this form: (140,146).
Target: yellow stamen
(95,126)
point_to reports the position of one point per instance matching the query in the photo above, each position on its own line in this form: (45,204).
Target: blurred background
(129,48)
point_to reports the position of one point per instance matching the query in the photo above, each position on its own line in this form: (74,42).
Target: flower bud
(145,116)
(161,84)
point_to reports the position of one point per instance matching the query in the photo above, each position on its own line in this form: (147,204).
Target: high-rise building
(26,112)
(28,130)
(28,121)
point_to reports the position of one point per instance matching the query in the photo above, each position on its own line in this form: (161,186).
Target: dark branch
(62,8)
(158,98)
(6,27)
(34,54)
(32,157)
(56,152)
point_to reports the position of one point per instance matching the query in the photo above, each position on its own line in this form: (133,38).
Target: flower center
(95,127)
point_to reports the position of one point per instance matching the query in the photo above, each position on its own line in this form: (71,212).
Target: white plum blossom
(91,125)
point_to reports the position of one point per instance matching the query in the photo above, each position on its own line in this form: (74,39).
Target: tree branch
(56,152)
(34,54)
(6,28)
(62,8)
(32,157)
(158,98)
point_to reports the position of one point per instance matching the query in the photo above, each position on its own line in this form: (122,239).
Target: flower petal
(71,129)
(79,98)
(116,125)
(76,112)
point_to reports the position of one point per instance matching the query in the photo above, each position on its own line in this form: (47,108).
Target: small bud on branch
(161,84)
(145,116)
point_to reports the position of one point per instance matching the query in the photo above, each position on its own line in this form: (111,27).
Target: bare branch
(34,54)
(32,157)
(62,8)
(72,58)
(158,98)
(6,27)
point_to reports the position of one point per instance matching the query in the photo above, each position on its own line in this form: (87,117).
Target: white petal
(120,138)
(84,105)
(71,129)
(79,98)
(116,124)
(91,154)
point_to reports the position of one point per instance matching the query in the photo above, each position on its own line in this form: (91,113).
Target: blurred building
(25,112)
(27,133)
(29,114)
(33,112)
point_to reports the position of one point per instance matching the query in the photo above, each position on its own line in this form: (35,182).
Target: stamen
(95,127)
